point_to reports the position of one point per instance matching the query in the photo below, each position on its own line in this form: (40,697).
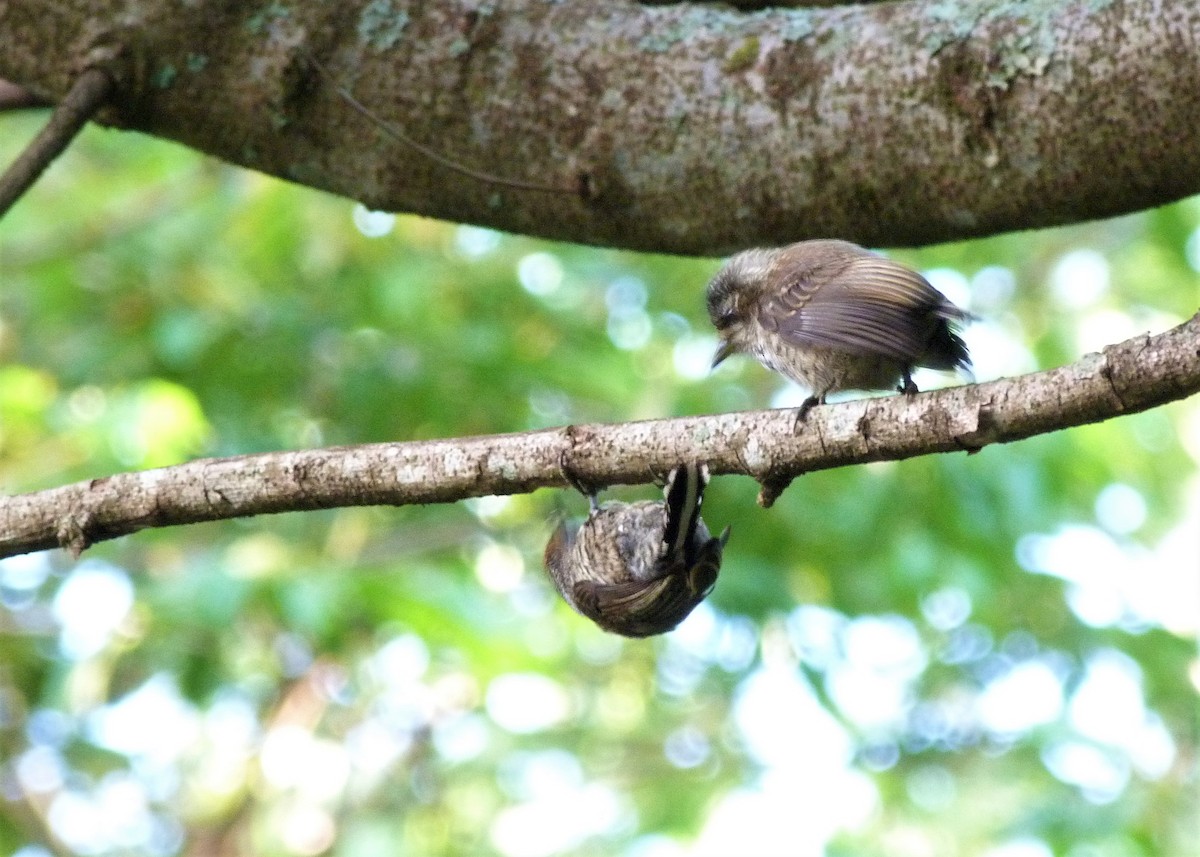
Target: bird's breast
(826,370)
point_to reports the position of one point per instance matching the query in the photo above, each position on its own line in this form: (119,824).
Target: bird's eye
(725,320)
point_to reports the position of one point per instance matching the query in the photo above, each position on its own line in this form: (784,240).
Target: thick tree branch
(688,128)
(85,97)
(1129,377)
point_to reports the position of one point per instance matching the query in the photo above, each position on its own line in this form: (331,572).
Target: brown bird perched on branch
(833,316)
(639,569)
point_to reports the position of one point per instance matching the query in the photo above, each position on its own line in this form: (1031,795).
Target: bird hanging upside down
(639,569)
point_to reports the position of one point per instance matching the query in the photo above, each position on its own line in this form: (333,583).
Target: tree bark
(1132,376)
(682,128)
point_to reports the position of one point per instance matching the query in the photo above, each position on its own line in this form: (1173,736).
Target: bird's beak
(723,351)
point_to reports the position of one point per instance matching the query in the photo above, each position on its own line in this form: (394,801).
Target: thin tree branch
(1132,376)
(87,95)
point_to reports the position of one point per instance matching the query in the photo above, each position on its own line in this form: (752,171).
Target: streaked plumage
(639,569)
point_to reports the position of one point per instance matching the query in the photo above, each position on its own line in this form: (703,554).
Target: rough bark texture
(1133,376)
(684,128)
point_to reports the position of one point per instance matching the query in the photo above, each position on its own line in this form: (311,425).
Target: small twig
(89,92)
(432,154)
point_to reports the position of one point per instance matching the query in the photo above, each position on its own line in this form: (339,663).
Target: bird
(831,316)
(638,569)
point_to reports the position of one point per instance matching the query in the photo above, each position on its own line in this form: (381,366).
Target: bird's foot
(578,483)
(802,411)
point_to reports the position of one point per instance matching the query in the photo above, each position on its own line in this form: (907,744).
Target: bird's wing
(684,494)
(863,304)
(634,608)
(701,576)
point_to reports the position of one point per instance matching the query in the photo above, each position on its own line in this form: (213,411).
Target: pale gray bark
(1132,376)
(683,128)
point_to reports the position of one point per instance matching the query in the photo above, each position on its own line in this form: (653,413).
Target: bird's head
(733,295)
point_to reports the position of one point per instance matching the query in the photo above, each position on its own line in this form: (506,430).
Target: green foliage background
(344,682)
